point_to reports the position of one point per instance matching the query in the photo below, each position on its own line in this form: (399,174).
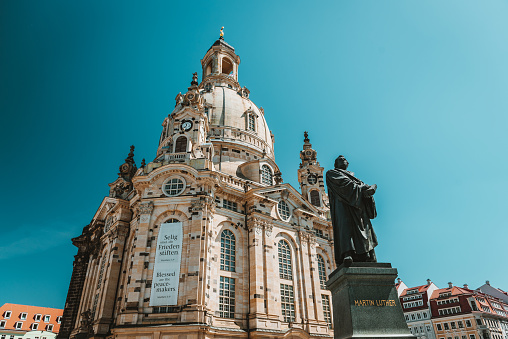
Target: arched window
(321,271)
(227,66)
(181,145)
(314,198)
(172,220)
(266,175)
(285,266)
(227,251)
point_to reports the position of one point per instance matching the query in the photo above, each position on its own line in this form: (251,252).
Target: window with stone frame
(251,122)
(325,299)
(101,271)
(321,271)
(287,301)
(227,297)
(173,187)
(315,198)
(227,251)
(285,265)
(283,210)
(181,144)
(230,205)
(266,175)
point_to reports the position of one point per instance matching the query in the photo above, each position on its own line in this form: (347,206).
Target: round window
(173,187)
(283,210)
(311,179)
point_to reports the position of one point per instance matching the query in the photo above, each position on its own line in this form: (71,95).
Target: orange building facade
(17,320)
(461,313)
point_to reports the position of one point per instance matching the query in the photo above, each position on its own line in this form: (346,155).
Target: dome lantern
(221,60)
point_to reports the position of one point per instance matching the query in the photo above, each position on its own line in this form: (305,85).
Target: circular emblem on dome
(190,96)
(308,153)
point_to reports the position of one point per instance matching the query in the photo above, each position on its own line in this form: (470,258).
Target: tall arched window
(181,144)
(266,175)
(321,271)
(227,251)
(285,267)
(314,198)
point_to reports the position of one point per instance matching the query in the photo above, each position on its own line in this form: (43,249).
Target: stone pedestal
(365,302)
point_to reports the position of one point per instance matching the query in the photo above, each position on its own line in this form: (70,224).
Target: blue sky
(413,93)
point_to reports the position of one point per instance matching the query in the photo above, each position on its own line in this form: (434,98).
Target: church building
(206,241)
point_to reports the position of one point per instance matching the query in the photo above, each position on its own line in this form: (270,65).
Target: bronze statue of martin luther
(352,207)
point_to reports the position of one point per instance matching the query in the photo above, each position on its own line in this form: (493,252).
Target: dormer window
(23,316)
(37,317)
(47,318)
(181,145)
(251,123)
(266,175)
(7,314)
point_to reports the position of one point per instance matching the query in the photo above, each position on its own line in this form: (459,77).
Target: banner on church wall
(166,271)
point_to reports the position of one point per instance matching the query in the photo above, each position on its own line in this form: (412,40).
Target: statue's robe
(351,213)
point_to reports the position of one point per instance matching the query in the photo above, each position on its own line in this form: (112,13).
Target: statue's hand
(370,190)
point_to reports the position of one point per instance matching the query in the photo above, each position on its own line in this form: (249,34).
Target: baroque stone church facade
(206,241)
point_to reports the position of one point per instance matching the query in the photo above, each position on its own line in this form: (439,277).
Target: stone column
(134,297)
(255,248)
(365,302)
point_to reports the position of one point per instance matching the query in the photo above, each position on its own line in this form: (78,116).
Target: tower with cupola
(205,240)
(310,177)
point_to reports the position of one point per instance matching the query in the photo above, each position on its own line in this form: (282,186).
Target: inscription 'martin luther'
(369,302)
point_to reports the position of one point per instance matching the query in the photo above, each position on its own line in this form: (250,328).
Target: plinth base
(365,302)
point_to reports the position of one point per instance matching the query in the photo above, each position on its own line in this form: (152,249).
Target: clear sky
(413,93)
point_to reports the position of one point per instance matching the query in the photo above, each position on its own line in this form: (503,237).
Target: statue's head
(341,162)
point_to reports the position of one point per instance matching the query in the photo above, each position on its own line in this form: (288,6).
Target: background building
(205,240)
(21,321)
(416,307)
(461,313)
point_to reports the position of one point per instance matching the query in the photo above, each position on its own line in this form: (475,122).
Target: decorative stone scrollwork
(205,203)
(146,208)
(256,225)
(268,230)
(304,238)
(312,241)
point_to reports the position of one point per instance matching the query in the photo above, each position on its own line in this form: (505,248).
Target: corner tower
(310,176)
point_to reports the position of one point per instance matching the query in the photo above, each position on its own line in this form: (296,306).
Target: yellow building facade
(205,241)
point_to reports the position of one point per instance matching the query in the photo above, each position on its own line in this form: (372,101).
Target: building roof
(27,316)
(422,288)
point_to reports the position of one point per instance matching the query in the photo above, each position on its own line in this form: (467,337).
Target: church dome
(235,119)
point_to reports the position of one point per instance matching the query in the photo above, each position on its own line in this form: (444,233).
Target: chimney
(450,285)
(466,286)
(487,282)
(428,281)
